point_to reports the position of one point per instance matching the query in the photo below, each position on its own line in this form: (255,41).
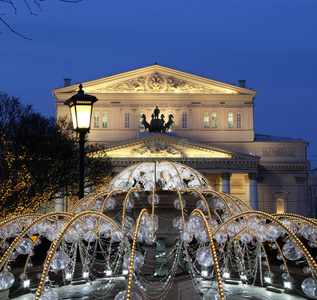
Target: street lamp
(81,109)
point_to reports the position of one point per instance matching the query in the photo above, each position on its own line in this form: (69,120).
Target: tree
(32,6)
(38,159)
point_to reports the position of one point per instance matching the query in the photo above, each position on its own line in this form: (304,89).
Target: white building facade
(213,133)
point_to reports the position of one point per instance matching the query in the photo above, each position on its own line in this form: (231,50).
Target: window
(140,121)
(239,120)
(280,207)
(105,121)
(230,120)
(96,120)
(206,121)
(280,198)
(214,120)
(127,120)
(184,120)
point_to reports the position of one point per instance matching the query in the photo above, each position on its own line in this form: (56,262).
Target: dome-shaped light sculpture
(153,223)
(164,176)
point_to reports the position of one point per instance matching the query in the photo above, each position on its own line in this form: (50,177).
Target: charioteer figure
(156,112)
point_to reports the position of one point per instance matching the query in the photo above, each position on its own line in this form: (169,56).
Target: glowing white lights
(26,283)
(68,275)
(145,176)
(243,277)
(226,275)
(268,280)
(287,285)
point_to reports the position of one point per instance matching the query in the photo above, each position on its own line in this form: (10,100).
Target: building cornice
(285,166)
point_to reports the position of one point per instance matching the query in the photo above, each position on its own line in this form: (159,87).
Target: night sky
(272,44)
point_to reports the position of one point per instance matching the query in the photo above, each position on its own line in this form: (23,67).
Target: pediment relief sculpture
(156,150)
(159,83)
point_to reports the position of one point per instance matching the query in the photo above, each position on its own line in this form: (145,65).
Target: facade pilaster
(253,191)
(226,182)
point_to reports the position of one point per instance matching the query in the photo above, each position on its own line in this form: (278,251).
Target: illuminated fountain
(154,223)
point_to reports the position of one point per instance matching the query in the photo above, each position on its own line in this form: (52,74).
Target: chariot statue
(157,124)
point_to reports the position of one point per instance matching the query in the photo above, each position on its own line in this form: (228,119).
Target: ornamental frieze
(158,83)
(192,162)
(279,151)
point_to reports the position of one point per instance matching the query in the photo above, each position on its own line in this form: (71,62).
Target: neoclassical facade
(213,132)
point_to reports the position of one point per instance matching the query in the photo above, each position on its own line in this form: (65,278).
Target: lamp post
(81,110)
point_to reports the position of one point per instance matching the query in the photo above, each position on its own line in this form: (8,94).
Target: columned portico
(226,182)
(253,191)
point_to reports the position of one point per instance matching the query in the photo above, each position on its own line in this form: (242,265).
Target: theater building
(213,132)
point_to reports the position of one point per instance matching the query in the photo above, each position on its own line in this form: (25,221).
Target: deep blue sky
(270,43)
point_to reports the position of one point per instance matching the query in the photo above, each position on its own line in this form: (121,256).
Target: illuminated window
(239,120)
(214,120)
(105,121)
(184,120)
(140,121)
(127,120)
(206,121)
(96,120)
(230,120)
(280,207)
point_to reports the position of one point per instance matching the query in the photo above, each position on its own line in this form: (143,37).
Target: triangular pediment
(157,79)
(165,146)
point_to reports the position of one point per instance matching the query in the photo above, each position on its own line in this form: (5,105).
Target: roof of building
(166,66)
(271,138)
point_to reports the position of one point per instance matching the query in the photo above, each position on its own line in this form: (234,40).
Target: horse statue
(169,123)
(157,125)
(161,128)
(144,123)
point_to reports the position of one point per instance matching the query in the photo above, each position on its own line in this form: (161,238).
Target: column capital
(226,175)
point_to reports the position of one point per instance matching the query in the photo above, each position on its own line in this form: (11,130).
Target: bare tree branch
(38,5)
(29,4)
(15,32)
(12,5)
(29,8)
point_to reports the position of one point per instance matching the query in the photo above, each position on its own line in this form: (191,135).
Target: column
(60,201)
(59,204)
(253,191)
(226,182)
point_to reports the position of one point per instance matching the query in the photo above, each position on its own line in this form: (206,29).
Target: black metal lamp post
(81,110)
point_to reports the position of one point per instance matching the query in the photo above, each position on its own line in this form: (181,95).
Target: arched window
(214,120)
(184,120)
(127,120)
(105,120)
(239,119)
(140,121)
(280,207)
(280,198)
(96,120)
(206,120)
(230,120)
